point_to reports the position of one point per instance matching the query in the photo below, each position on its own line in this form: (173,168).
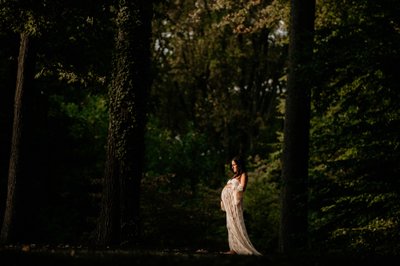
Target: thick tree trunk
(7,230)
(119,220)
(294,224)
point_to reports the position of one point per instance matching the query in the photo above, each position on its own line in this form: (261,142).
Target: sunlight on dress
(232,204)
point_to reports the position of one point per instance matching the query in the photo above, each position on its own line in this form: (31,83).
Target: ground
(18,255)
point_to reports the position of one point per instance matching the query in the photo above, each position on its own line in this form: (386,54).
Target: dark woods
(119,121)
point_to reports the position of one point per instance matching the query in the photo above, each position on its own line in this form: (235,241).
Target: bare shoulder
(243,177)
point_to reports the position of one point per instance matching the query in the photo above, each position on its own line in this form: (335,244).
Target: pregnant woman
(232,204)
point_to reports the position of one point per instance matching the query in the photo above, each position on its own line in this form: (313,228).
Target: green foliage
(223,77)
(90,115)
(261,203)
(188,157)
(76,137)
(175,217)
(354,136)
(180,192)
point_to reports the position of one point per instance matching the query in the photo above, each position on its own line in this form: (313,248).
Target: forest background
(219,86)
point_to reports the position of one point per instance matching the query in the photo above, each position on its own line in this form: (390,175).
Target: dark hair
(241,167)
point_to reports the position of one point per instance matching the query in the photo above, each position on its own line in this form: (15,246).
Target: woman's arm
(239,190)
(242,182)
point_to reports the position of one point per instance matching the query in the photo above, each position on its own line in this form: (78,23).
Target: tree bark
(131,81)
(294,224)
(8,227)
(7,87)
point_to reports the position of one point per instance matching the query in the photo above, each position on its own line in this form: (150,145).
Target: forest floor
(79,256)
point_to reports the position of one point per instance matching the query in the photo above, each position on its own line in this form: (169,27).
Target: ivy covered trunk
(131,80)
(293,231)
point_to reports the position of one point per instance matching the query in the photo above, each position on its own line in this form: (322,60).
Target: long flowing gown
(232,204)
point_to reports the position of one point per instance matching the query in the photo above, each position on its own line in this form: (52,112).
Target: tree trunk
(8,227)
(131,81)
(8,71)
(294,224)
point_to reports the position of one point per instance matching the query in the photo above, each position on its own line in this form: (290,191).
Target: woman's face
(234,166)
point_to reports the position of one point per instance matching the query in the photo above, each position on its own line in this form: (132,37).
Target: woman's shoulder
(242,175)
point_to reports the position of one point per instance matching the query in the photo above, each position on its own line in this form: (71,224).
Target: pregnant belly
(225,194)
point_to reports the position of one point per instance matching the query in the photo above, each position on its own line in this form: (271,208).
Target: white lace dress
(232,204)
